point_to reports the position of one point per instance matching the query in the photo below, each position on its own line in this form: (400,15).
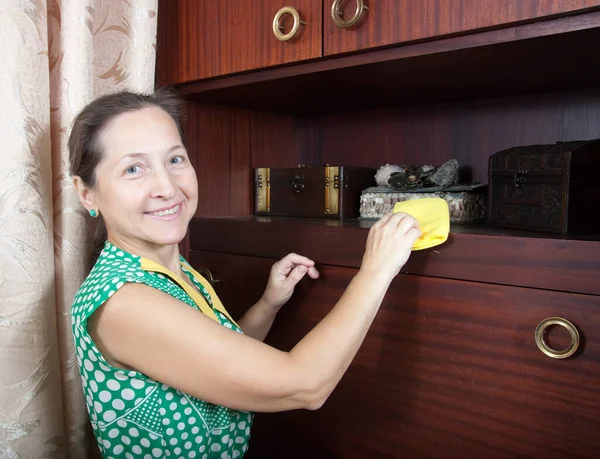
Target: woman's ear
(86,195)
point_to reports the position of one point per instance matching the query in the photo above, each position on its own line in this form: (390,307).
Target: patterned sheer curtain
(55,57)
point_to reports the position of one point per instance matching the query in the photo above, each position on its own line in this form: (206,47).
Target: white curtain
(55,57)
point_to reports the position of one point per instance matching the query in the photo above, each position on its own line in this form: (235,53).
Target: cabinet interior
(227,143)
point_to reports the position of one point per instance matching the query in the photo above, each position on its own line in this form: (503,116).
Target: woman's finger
(293,259)
(407,223)
(295,276)
(385,218)
(313,272)
(284,266)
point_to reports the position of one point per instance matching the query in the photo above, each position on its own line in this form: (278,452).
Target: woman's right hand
(389,244)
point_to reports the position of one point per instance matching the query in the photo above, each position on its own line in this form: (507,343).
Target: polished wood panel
(218,141)
(167,43)
(485,64)
(449,369)
(399,21)
(226,144)
(469,131)
(471,253)
(209,38)
(282,141)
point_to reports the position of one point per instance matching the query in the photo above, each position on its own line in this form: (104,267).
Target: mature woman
(166,371)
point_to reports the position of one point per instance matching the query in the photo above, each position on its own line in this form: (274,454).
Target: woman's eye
(176,160)
(132,169)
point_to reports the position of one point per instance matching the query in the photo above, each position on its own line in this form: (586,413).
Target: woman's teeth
(162,213)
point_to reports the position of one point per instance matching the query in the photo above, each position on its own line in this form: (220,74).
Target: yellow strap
(149,265)
(215,299)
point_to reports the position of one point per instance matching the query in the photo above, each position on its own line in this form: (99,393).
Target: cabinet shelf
(539,57)
(474,253)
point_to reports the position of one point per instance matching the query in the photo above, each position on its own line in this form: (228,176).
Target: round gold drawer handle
(278,28)
(337,14)
(541,343)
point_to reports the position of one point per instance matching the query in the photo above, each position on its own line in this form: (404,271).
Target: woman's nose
(163,185)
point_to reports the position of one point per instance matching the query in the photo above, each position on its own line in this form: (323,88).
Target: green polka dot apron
(132,415)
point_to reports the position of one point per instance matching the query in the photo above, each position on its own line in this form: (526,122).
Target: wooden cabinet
(209,38)
(448,369)
(389,22)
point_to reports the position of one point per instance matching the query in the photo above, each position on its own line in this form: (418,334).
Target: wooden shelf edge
(492,256)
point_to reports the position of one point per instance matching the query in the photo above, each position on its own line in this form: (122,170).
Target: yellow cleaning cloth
(433,217)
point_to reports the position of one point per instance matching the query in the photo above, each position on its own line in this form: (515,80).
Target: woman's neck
(165,255)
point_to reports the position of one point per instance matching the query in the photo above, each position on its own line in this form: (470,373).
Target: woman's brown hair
(86,150)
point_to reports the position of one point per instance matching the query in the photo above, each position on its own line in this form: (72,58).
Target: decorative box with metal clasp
(311,191)
(552,188)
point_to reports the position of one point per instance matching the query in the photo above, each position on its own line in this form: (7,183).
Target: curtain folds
(56,56)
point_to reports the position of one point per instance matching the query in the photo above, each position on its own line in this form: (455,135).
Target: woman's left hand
(284,276)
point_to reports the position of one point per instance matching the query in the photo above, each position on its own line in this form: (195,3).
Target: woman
(166,371)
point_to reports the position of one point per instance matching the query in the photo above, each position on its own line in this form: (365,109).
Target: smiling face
(146,188)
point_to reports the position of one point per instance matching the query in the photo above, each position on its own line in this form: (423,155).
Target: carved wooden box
(552,188)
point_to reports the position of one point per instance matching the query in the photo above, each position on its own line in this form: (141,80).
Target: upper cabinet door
(207,38)
(352,25)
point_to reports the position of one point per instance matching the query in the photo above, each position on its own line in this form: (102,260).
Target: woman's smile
(168,213)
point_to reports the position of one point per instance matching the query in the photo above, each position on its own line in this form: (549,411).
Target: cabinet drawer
(389,22)
(208,38)
(448,369)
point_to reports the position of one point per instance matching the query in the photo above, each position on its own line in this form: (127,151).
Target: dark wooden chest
(311,191)
(552,188)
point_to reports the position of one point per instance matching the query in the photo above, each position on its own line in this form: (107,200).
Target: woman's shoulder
(113,263)
(113,268)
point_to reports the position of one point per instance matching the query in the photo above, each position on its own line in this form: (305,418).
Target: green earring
(93,213)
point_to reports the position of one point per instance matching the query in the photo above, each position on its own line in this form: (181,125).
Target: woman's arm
(146,329)
(283,278)
(257,321)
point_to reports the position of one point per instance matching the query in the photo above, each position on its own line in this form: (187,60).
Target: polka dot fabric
(132,415)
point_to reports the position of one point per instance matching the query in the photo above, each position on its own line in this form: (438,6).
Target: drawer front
(211,38)
(448,369)
(389,22)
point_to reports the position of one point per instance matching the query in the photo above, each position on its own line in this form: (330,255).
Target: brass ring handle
(297,182)
(541,343)
(337,15)
(278,28)
(205,272)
